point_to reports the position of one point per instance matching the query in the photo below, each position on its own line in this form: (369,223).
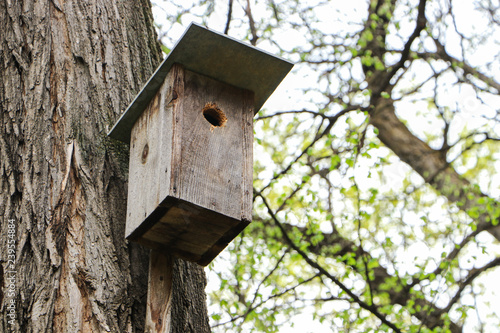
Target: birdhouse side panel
(247,189)
(172,87)
(150,159)
(215,157)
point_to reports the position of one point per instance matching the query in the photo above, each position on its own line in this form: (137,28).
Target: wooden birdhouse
(190,131)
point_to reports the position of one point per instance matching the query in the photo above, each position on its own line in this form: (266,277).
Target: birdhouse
(190,131)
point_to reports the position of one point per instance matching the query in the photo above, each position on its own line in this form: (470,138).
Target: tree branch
(398,295)
(251,22)
(229,16)
(420,25)
(332,120)
(256,306)
(293,112)
(471,276)
(371,308)
(430,164)
(442,54)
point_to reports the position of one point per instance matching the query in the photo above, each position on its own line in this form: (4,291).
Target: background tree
(67,71)
(375,184)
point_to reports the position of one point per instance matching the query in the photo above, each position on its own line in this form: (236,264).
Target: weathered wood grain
(159,303)
(212,159)
(247,176)
(150,168)
(171,309)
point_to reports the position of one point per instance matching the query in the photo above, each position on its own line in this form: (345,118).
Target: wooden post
(174,305)
(159,304)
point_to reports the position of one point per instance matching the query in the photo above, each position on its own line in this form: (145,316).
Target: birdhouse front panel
(213,160)
(190,181)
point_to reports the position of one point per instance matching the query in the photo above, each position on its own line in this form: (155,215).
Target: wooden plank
(247,162)
(142,200)
(178,107)
(189,229)
(170,251)
(221,244)
(185,241)
(165,138)
(159,303)
(150,159)
(175,282)
(211,163)
(193,233)
(184,219)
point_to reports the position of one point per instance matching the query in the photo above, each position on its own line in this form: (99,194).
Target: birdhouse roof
(217,56)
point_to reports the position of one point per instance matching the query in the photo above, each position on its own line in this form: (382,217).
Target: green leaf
(165,49)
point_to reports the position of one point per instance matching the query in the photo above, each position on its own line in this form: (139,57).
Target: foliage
(375,172)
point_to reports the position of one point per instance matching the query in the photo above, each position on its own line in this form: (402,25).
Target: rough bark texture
(67,71)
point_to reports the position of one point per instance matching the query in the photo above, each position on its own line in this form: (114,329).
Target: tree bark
(67,71)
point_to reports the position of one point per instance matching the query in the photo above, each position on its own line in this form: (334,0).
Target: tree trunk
(67,71)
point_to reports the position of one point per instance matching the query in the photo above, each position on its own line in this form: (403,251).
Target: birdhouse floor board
(190,231)
(182,215)
(173,251)
(162,231)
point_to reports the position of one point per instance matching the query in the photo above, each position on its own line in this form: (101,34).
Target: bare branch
(420,25)
(267,276)
(229,16)
(441,52)
(318,136)
(256,306)
(473,274)
(315,113)
(451,256)
(251,22)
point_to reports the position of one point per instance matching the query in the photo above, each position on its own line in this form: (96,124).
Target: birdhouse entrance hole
(214,115)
